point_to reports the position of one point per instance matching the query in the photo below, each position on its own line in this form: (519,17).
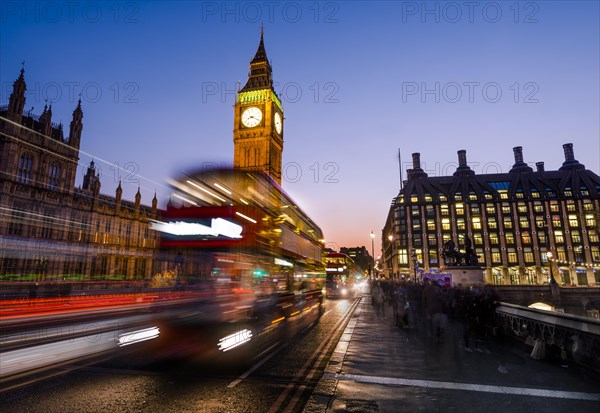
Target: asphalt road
(172,378)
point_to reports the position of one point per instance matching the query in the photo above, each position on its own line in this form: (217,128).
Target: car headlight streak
(138,336)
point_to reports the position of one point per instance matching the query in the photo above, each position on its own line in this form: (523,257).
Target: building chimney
(416,160)
(570,161)
(539,166)
(462,158)
(463,168)
(518,150)
(417,172)
(569,154)
(520,165)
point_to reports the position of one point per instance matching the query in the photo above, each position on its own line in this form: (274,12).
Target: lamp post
(372,255)
(552,279)
(554,287)
(415,264)
(390,262)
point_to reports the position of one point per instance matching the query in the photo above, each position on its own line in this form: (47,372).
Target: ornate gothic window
(54,176)
(25,168)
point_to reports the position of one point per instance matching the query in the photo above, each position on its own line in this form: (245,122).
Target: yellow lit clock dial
(278,122)
(251,117)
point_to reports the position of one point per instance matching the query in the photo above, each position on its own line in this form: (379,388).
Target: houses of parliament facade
(51,229)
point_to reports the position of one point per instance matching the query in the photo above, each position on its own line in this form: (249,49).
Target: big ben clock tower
(258,120)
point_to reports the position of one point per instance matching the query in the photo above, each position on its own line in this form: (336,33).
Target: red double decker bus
(228,224)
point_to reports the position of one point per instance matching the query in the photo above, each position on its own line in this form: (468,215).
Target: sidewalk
(378,367)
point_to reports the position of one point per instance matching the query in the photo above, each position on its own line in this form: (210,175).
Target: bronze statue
(456,258)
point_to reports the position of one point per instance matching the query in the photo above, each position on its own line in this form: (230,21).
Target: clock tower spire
(258,120)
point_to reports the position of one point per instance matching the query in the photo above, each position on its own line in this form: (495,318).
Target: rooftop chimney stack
(569,154)
(539,166)
(518,150)
(520,165)
(570,161)
(417,172)
(462,158)
(463,168)
(416,160)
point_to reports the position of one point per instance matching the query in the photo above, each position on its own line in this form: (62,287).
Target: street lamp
(554,287)
(415,264)
(552,279)
(372,254)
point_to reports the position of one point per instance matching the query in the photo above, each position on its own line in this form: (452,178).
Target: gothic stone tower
(258,120)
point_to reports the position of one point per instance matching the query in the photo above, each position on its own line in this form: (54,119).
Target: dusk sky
(358,81)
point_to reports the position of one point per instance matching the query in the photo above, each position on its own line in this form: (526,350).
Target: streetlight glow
(372,254)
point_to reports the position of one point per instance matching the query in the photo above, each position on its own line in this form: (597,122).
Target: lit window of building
(445,224)
(558,237)
(431,225)
(573,222)
(556,223)
(590,221)
(528,255)
(493,238)
(496,256)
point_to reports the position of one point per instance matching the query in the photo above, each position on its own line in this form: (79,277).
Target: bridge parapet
(576,337)
(582,301)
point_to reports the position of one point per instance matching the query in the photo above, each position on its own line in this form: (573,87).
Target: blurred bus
(239,227)
(238,235)
(341,275)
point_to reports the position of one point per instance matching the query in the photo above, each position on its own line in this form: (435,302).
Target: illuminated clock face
(278,122)
(251,117)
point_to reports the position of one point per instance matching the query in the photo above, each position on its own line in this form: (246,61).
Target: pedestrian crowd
(431,304)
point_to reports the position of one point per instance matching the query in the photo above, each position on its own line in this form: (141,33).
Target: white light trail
(234,340)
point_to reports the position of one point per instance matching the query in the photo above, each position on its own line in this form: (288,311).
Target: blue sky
(358,81)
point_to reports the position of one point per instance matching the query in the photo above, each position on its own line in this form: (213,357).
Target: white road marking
(257,365)
(521,391)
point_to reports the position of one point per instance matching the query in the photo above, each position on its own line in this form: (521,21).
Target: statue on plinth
(456,258)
